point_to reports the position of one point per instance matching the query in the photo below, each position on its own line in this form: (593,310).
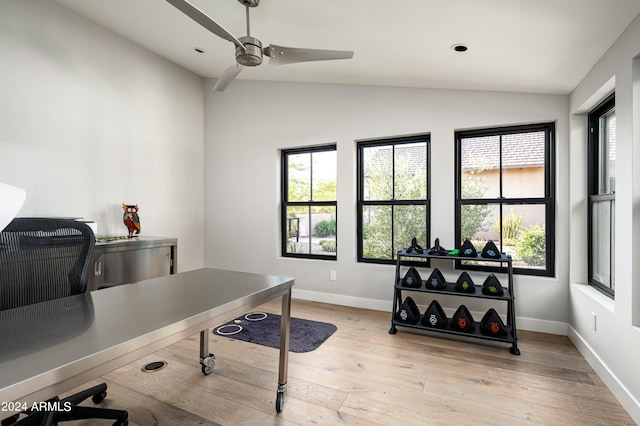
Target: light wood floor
(362,375)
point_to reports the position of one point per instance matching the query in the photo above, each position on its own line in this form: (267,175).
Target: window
(505,193)
(309,203)
(602,197)
(393,196)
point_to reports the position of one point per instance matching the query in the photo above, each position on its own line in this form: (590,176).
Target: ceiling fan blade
(227,77)
(197,15)
(288,55)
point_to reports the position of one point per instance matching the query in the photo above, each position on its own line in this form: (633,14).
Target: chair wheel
(99,397)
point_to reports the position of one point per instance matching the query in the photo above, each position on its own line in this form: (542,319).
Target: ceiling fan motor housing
(251,56)
(250,3)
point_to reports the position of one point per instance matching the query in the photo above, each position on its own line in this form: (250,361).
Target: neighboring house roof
(412,156)
(518,150)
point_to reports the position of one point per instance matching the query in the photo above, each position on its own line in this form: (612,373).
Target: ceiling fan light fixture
(251,56)
(459,47)
(249,3)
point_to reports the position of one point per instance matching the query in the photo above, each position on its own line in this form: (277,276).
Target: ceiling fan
(249,50)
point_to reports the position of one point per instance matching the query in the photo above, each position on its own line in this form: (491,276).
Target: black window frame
(284,228)
(548,200)
(594,196)
(361,202)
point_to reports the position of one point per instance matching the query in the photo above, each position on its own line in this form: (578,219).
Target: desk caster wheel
(207,364)
(279,402)
(282,388)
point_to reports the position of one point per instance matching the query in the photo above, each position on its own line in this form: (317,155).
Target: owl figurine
(131,219)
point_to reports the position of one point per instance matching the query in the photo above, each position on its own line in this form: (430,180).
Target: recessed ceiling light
(459,47)
(197,49)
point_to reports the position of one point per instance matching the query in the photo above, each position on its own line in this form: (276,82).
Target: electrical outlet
(595,320)
(332,276)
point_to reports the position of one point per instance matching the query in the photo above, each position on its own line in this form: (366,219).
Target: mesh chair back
(32,328)
(43,259)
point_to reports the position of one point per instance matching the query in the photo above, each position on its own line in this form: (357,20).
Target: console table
(121,260)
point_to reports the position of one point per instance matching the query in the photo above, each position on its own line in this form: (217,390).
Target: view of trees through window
(309,202)
(393,196)
(505,194)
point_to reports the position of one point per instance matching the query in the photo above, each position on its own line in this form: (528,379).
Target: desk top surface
(41,342)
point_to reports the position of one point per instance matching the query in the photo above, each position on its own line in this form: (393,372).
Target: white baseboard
(342,300)
(542,326)
(622,394)
(522,323)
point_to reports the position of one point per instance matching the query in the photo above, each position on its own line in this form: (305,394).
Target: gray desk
(49,348)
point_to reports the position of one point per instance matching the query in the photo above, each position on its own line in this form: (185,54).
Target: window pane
(602,243)
(311,230)
(323,230)
(376,232)
(409,222)
(299,175)
(607,150)
(378,173)
(476,225)
(523,157)
(410,171)
(297,229)
(524,235)
(476,220)
(324,176)
(480,161)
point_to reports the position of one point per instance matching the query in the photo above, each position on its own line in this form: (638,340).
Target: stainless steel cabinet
(121,261)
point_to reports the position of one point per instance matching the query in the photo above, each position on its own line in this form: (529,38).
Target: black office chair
(41,260)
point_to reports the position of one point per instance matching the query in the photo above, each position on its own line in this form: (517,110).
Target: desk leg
(285,325)
(206,358)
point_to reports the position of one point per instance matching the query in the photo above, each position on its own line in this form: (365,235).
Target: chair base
(57,410)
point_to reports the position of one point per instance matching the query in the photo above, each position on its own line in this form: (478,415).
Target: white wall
(613,348)
(248,123)
(89,121)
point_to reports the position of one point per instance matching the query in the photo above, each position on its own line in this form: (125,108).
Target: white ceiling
(539,46)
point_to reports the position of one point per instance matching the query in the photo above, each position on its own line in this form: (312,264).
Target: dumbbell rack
(507,297)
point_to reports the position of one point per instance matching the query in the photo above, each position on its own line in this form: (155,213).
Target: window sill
(595,295)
